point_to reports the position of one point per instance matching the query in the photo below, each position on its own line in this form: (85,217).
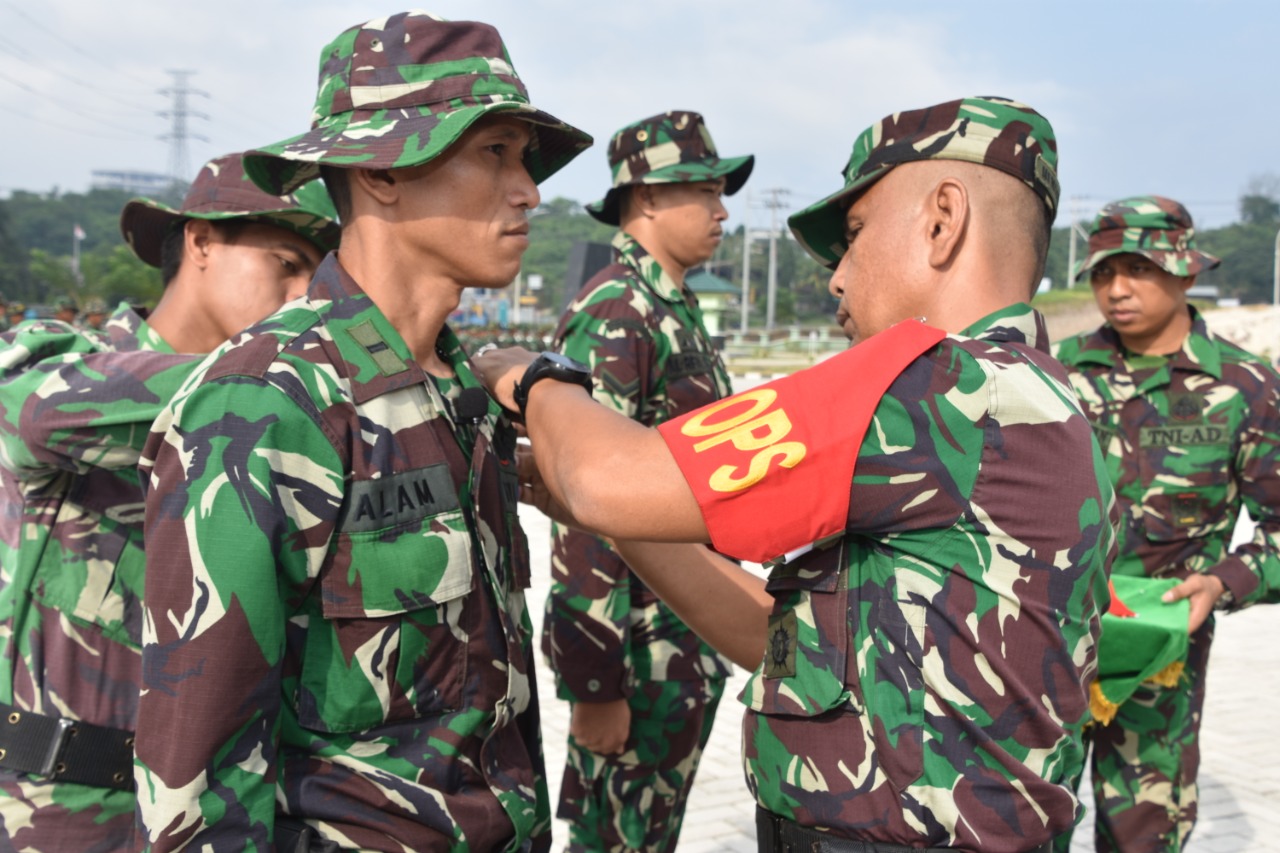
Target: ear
(380,184)
(197,238)
(947,219)
(644,199)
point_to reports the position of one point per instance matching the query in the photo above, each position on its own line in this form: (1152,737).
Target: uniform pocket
(387,645)
(806,652)
(892,681)
(1190,509)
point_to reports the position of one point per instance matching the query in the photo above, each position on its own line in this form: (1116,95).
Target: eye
(851,234)
(291,267)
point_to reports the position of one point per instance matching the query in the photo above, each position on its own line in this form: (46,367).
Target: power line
(79,81)
(77,48)
(132,131)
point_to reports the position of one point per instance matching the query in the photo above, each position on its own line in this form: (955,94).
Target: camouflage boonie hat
(223,191)
(65,303)
(669,148)
(989,131)
(1158,228)
(397,91)
(96,306)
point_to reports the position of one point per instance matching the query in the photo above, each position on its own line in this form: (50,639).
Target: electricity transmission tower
(179,165)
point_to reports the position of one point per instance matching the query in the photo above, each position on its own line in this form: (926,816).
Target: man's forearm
(722,602)
(614,475)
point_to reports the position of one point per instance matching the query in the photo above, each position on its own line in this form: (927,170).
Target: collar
(374,357)
(630,253)
(1197,354)
(1018,323)
(128,329)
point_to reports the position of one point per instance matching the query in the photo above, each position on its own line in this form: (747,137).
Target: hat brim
(820,228)
(392,139)
(1196,261)
(145,224)
(734,170)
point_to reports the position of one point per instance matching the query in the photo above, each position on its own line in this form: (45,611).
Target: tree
(1260,201)
(52,274)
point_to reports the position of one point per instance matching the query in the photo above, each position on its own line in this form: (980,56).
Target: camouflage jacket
(75,408)
(651,359)
(338,633)
(924,679)
(1188,438)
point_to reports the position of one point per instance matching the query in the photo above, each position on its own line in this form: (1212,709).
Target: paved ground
(1240,773)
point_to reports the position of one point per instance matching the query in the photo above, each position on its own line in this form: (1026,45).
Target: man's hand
(601,727)
(500,369)
(1203,592)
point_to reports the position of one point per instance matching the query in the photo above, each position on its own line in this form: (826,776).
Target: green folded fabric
(1150,646)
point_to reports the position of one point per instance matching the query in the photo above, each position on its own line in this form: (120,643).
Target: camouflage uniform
(74,411)
(1189,438)
(389,654)
(606,636)
(900,642)
(924,683)
(347,572)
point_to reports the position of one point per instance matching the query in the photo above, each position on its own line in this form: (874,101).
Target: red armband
(772,467)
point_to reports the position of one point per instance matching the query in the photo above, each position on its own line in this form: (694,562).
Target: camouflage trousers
(56,817)
(1145,761)
(635,801)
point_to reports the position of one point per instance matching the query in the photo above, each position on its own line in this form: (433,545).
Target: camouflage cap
(397,91)
(671,147)
(65,303)
(990,131)
(1155,227)
(223,191)
(96,306)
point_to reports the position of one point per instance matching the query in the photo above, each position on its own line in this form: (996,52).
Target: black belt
(65,750)
(776,834)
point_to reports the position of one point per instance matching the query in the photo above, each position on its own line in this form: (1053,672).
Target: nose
(525,192)
(836,285)
(1119,287)
(721,213)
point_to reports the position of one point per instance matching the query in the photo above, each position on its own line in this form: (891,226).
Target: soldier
(95,314)
(644,688)
(65,309)
(1190,429)
(930,630)
(338,495)
(17,313)
(75,407)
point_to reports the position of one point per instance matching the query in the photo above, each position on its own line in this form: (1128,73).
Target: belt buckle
(63,731)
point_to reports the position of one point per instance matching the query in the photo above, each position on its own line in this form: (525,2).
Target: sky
(1176,97)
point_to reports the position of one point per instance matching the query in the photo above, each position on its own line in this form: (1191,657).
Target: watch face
(565,362)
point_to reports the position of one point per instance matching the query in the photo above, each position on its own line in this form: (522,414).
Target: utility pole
(746,260)
(1074,229)
(179,165)
(774,203)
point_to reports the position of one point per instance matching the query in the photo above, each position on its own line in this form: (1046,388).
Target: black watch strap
(551,365)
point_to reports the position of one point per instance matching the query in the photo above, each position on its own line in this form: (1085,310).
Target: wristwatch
(551,365)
